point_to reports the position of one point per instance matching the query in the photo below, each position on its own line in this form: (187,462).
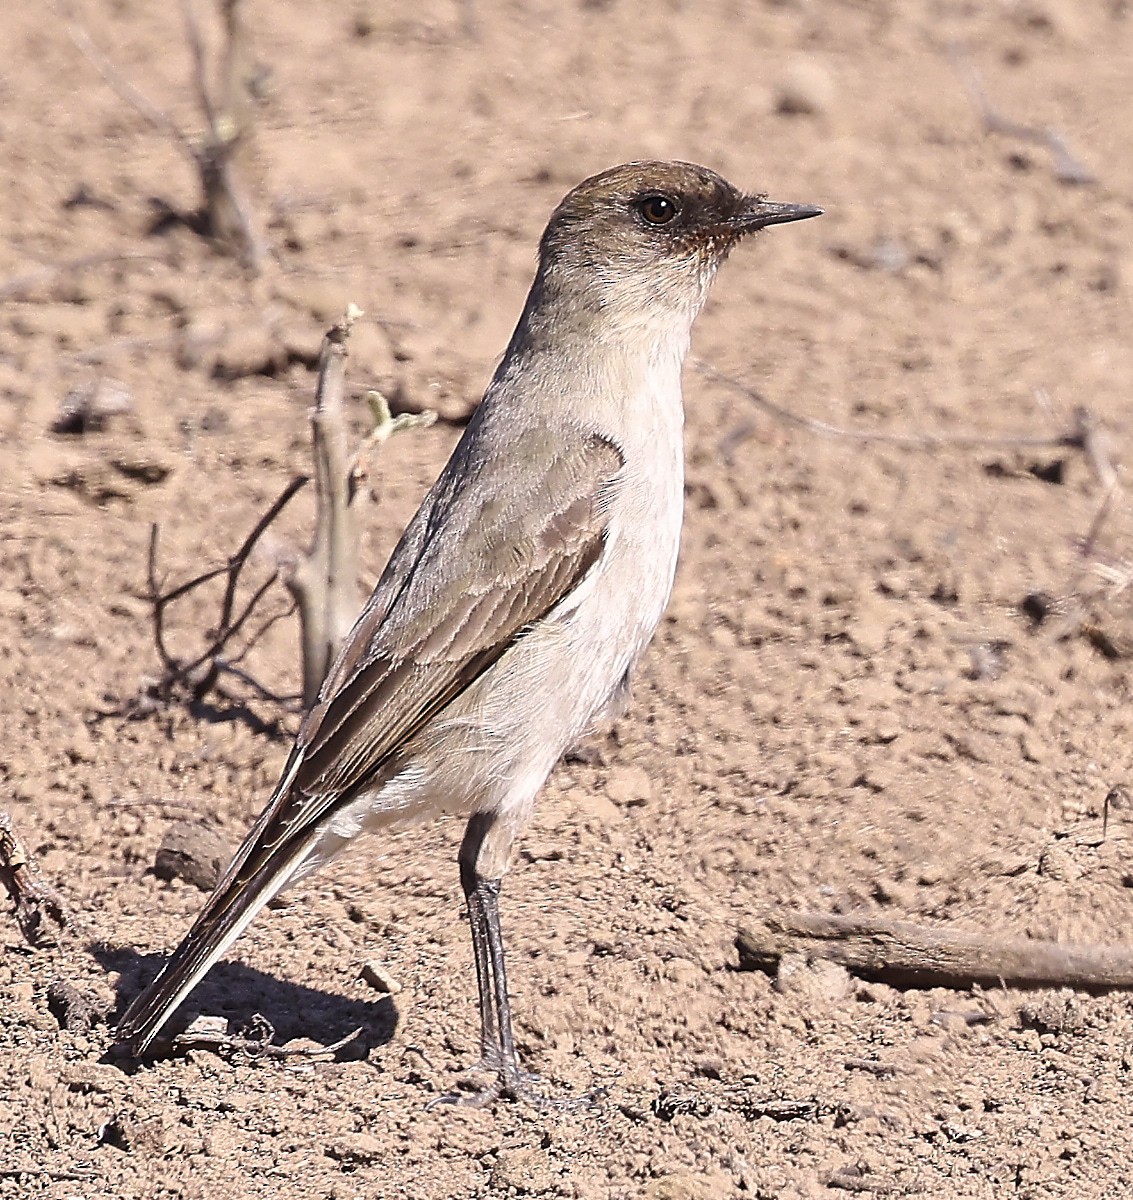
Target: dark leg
(497,1043)
(489,1039)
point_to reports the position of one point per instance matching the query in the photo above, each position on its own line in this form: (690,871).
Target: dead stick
(176,671)
(1084,424)
(32,895)
(226,149)
(1067,166)
(904,954)
(324,581)
(126,91)
(17,287)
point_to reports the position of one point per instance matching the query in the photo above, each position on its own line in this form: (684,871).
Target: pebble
(379,978)
(356,1148)
(805,89)
(629,787)
(817,981)
(194,852)
(523,1170)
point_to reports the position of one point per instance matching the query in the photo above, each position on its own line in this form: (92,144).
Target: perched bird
(514,609)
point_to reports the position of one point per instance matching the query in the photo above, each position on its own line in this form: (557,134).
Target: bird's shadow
(240,994)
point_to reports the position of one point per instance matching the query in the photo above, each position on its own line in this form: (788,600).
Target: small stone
(138,1132)
(76,1009)
(817,981)
(629,787)
(1057,862)
(252,350)
(193,852)
(524,1169)
(356,1148)
(142,467)
(379,978)
(89,409)
(806,89)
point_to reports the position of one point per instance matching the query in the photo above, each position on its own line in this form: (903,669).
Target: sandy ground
(847,708)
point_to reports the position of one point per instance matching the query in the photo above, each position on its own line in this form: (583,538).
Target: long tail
(229,911)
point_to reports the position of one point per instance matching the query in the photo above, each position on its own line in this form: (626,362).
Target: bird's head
(651,235)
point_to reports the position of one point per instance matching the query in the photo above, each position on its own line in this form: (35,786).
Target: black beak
(759,213)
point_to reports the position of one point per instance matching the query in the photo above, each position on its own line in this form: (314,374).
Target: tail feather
(228,913)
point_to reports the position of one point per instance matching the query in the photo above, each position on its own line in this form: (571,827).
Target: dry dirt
(847,708)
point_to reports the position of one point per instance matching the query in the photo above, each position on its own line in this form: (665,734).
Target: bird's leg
(497,1042)
(512,1079)
(489,1038)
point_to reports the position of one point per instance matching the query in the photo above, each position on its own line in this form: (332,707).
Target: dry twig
(904,954)
(211,1033)
(199,673)
(1083,435)
(226,213)
(324,581)
(32,895)
(1067,167)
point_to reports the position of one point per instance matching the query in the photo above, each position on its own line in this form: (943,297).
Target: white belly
(494,746)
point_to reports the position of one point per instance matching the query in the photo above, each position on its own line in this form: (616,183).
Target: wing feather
(477,579)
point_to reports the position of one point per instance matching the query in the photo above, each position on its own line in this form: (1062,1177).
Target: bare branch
(324,581)
(227,213)
(253,638)
(17,287)
(237,561)
(264,693)
(1067,167)
(32,895)
(211,1033)
(202,686)
(126,91)
(227,149)
(177,672)
(905,954)
(197,53)
(1074,438)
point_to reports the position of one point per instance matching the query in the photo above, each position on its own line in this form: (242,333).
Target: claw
(511,1084)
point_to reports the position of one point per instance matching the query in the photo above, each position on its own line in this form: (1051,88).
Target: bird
(512,613)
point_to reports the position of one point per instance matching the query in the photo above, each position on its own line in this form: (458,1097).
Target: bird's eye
(657,210)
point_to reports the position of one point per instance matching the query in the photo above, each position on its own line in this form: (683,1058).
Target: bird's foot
(508,1081)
